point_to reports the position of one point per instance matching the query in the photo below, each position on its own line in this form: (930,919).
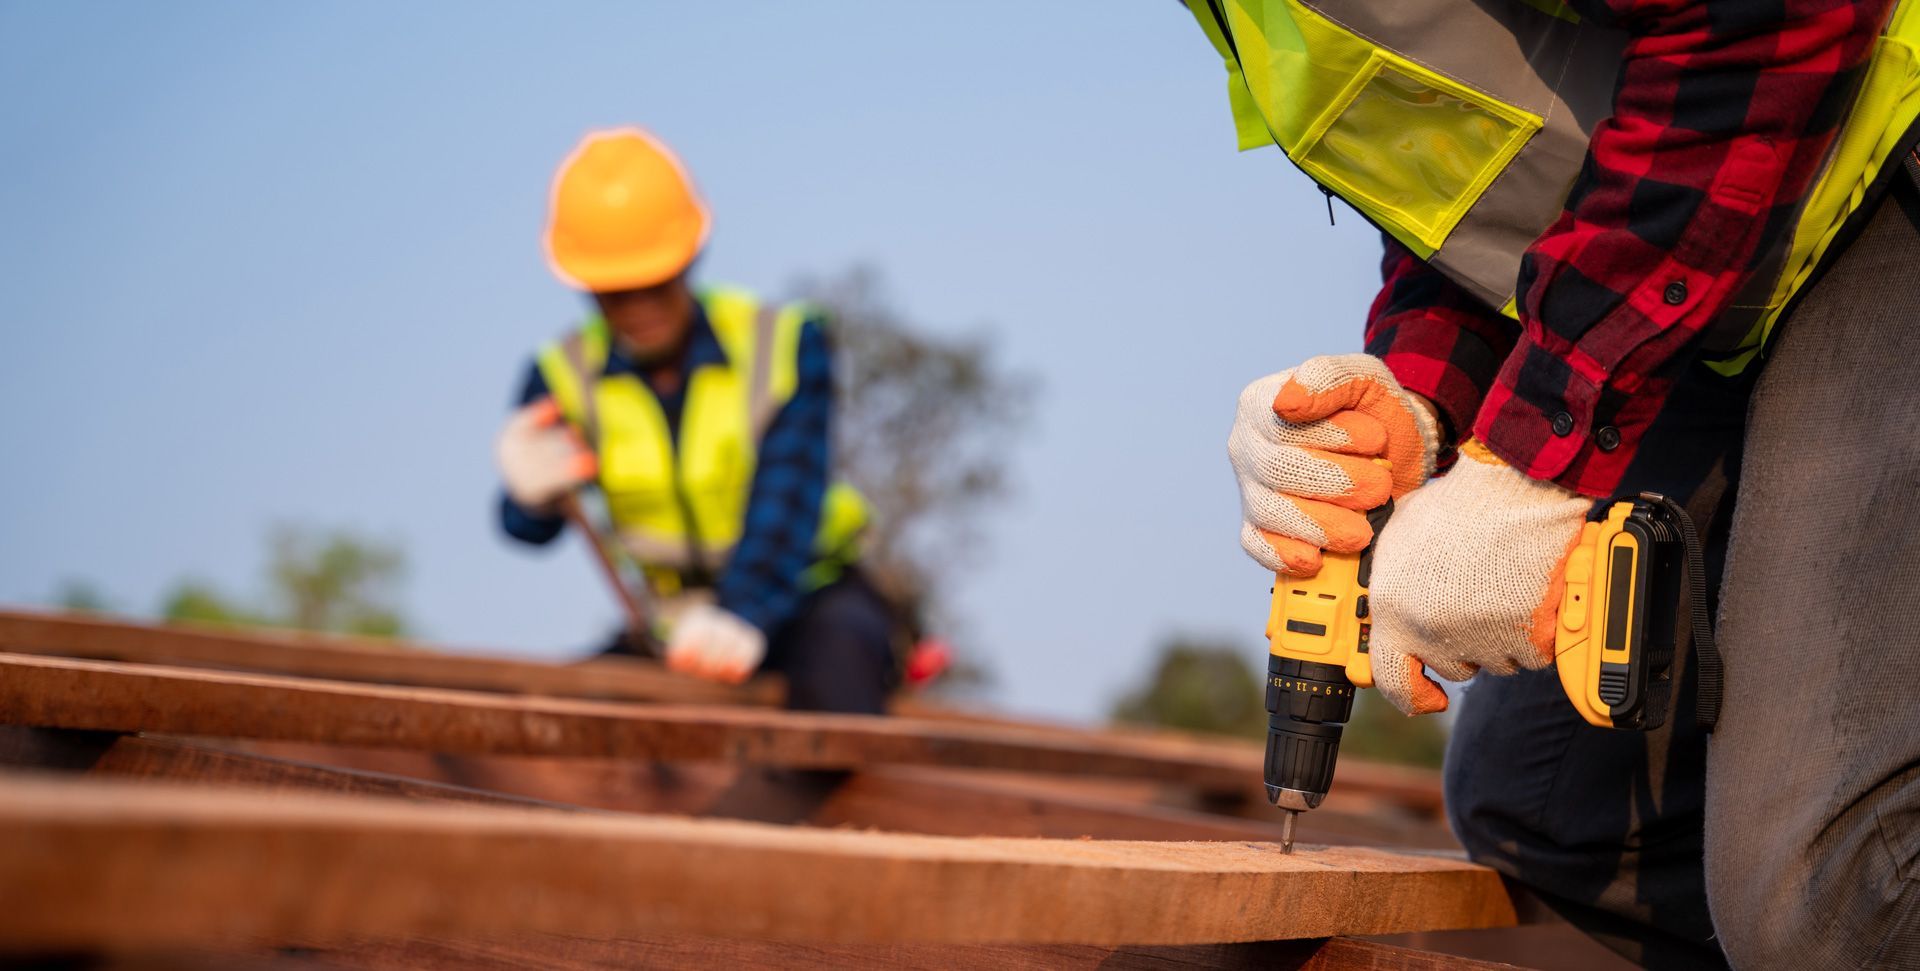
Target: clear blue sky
(280,263)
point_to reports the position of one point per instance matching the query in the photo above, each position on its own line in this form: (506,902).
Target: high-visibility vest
(1459,128)
(681,510)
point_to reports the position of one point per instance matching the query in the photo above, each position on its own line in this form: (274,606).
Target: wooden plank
(903,800)
(950,802)
(624,785)
(112,696)
(555,953)
(1415,789)
(683,953)
(898,801)
(93,864)
(1234,766)
(183,961)
(183,760)
(944,802)
(354,659)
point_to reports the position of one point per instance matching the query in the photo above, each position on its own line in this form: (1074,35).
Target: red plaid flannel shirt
(1723,112)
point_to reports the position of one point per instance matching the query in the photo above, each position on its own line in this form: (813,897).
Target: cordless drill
(1613,647)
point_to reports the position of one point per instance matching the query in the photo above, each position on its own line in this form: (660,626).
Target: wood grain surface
(91,863)
(117,696)
(682,953)
(342,658)
(396,662)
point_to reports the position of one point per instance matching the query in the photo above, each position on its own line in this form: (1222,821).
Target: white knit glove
(541,457)
(1467,577)
(1304,447)
(714,643)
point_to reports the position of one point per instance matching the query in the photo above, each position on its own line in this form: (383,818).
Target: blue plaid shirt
(762,581)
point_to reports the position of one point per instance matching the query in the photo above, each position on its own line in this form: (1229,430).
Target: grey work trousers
(1790,838)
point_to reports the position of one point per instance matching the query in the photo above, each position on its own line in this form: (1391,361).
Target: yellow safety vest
(680,512)
(1459,128)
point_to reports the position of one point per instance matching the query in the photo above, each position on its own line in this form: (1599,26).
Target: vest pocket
(1411,148)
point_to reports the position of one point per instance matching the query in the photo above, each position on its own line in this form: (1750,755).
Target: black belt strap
(1706,654)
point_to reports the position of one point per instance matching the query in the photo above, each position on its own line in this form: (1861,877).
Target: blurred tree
(335,582)
(1380,733)
(1199,687)
(1204,686)
(196,601)
(81,596)
(330,581)
(923,428)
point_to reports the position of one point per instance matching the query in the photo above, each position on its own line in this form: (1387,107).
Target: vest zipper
(697,574)
(1226,33)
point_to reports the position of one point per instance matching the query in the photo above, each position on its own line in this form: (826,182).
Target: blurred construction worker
(704,417)
(1600,217)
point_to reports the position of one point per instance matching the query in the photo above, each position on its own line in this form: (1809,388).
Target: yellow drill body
(1613,646)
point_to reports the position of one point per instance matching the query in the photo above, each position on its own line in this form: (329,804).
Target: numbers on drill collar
(1313,687)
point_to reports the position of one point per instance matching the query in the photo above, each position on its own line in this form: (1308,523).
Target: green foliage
(1199,687)
(335,582)
(81,597)
(1213,687)
(196,601)
(330,581)
(1380,733)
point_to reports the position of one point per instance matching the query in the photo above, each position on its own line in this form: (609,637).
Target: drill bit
(1286,831)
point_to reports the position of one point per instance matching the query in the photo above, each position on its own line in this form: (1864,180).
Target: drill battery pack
(1619,613)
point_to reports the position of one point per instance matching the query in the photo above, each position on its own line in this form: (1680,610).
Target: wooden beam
(184,760)
(896,801)
(911,799)
(683,953)
(949,802)
(365,659)
(378,661)
(93,864)
(902,800)
(624,785)
(192,960)
(112,696)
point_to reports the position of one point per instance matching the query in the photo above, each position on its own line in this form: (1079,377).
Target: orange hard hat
(625,214)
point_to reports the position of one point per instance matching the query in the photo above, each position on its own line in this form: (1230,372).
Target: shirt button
(1608,438)
(1563,424)
(1676,293)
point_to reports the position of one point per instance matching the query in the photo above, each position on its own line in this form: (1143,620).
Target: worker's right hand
(542,457)
(715,643)
(1304,446)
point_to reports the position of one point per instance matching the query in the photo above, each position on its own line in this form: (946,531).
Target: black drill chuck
(1308,704)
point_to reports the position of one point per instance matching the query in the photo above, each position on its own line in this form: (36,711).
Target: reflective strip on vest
(681,512)
(1861,158)
(1459,127)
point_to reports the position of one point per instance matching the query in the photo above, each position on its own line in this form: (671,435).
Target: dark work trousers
(837,652)
(1790,838)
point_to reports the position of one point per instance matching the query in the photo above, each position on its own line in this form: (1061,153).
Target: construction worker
(1600,218)
(704,417)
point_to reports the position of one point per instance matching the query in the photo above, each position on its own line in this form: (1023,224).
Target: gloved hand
(1303,446)
(1467,576)
(541,457)
(714,643)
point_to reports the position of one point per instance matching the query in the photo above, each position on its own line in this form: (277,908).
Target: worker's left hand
(715,643)
(1467,577)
